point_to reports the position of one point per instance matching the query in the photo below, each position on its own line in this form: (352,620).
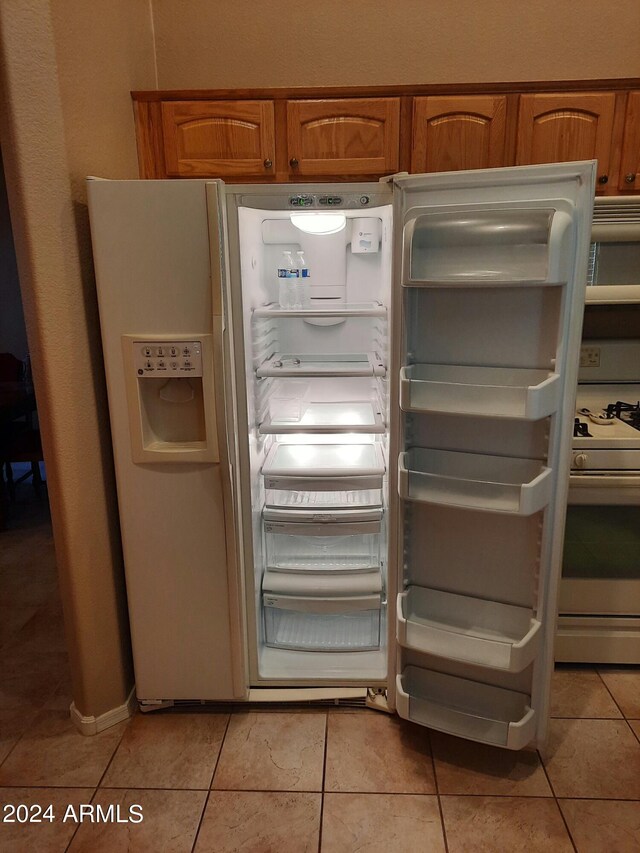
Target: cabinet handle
(603,179)
(630,178)
(268,163)
(293,162)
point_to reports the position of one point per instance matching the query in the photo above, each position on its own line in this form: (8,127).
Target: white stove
(599,613)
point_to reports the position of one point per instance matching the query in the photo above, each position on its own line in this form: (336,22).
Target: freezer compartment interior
(482,245)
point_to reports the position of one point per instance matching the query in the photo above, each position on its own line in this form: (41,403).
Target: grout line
(116,747)
(78,825)
(611,694)
(217,761)
(566,825)
(199,827)
(435,782)
(31,724)
(324,775)
(555,799)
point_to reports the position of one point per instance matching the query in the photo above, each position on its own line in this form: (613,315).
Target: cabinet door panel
(351,136)
(568,126)
(630,165)
(218,138)
(459,132)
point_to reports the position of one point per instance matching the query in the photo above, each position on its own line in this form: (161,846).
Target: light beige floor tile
(504,825)
(377,753)
(52,752)
(272,752)
(13,723)
(603,826)
(29,677)
(593,758)
(172,750)
(464,767)
(260,822)
(581,693)
(170,821)
(47,836)
(12,618)
(625,688)
(393,823)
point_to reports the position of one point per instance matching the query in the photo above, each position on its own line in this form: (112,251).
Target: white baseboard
(93,725)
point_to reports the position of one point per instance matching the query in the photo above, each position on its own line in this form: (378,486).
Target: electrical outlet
(589,356)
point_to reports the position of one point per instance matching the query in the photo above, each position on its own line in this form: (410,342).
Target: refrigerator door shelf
(465,708)
(496,392)
(319,364)
(474,481)
(467,629)
(304,514)
(497,245)
(328,418)
(356,309)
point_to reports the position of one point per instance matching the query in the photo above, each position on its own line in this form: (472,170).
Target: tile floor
(296,780)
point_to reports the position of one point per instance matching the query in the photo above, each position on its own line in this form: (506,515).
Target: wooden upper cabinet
(630,163)
(343,137)
(219,138)
(567,126)
(458,132)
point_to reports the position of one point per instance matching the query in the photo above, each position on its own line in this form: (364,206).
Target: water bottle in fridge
(287,277)
(303,280)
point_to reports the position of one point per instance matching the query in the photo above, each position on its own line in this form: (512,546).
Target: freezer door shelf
(497,392)
(328,418)
(346,309)
(322,364)
(467,629)
(474,480)
(324,467)
(465,708)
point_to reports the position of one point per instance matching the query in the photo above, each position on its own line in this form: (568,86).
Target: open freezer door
(489,279)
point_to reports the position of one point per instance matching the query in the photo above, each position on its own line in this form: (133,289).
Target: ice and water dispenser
(170,394)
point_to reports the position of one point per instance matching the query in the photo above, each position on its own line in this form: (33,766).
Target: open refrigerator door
(489,277)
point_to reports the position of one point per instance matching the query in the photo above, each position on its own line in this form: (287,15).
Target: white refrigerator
(361,496)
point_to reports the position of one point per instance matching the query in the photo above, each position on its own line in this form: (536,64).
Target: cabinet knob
(603,179)
(580,460)
(268,163)
(293,162)
(630,178)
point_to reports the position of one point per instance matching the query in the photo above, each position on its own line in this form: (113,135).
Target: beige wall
(67,68)
(209,44)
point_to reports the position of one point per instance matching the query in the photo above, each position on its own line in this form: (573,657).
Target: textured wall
(67,70)
(209,43)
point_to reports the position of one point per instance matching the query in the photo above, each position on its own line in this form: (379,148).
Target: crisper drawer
(315,612)
(323,547)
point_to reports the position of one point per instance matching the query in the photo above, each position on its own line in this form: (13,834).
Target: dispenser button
(187,363)
(162,365)
(173,352)
(148,365)
(160,352)
(173,365)
(186,351)
(146,351)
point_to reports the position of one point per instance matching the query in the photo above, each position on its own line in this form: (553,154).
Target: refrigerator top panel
(362,197)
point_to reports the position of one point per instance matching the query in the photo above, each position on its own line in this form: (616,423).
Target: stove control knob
(580,460)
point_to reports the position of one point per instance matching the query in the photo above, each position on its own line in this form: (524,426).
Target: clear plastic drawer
(349,631)
(320,551)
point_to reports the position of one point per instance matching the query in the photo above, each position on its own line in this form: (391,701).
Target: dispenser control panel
(167,358)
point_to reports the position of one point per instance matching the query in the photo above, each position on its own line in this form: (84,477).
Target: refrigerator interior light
(319,223)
